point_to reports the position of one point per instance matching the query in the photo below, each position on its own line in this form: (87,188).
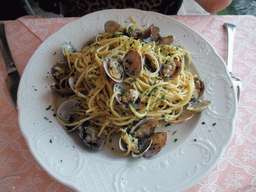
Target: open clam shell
(113,69)
(68,47)
(132,63)
(165,40)
(133,30)
(122,89)
(171,70)
(198,106)
(185,116)
(144,145)
(60,70)
(89,134)
(122,144)
(158,142)
(150,34)
(72,82)
(144,128)
(139,136)
(63,91)
(186,60)
(139,146)
(113,26)
(199,89)
(66,111)
(151,61)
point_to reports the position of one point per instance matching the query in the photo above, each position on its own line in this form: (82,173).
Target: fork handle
(231,35)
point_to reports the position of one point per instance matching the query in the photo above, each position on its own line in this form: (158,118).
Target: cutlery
(231,34)
(13,78)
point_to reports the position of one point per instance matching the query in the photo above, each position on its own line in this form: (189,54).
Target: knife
(13,79)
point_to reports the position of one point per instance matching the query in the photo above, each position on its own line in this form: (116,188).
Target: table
(236,171)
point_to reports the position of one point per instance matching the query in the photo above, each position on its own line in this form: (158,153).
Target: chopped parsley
(168,124)
(49,107)
(174,132)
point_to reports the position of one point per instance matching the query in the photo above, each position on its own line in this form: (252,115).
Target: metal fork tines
(236,81)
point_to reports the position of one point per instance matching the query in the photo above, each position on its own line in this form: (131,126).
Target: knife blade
(13,78)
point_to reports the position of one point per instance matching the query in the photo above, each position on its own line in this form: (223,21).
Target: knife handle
(10,65)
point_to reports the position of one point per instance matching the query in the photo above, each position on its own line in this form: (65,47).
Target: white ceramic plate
(179,166)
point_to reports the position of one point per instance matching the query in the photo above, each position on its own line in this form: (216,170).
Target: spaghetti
(160,98)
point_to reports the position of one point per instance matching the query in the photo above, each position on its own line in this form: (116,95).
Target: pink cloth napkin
(236,171)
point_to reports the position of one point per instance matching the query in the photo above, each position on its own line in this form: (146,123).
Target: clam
(112,26)
(186,60)
(150,34)
(125,139)
(185,116)
(155,34)
(59,89)
(198,106)
(139,137)
(150,62)
(147,33)
(199,89)
(89,134)
(127,95)
(133,31)
(68,47)
(60,70)
(171,69)
(144,145)
(165,40)
(113,69)
(132,63)
(159,141)
(122,144)
(66,111)
(72,82)
(144,128)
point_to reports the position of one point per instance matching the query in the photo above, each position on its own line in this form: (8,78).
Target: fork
(236,81)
